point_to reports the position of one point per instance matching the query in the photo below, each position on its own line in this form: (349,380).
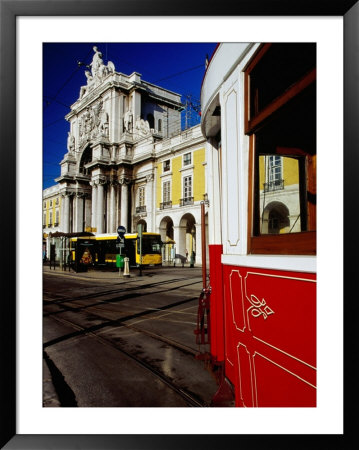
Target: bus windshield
(150,245)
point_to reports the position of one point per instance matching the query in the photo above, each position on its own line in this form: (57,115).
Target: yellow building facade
(181,187)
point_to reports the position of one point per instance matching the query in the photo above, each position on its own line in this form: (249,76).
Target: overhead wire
(66,82)
(53,98)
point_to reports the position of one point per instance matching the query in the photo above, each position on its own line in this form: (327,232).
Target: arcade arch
(275,218)
(86,157)
(166,231)
(187,236)
(144,225)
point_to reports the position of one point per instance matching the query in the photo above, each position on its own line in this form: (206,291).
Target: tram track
(129,290)
(64,305)
(187,396)
(118,322)
(122,323)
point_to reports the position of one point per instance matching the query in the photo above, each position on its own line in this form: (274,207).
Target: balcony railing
(186,201)
(140,209)
(166,205)
(275,185)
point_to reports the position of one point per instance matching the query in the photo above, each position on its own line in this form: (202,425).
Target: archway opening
(188,241)
(166,231)
(275,218)
(144,226)
(85,159)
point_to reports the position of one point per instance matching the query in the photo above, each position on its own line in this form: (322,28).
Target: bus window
(150,245)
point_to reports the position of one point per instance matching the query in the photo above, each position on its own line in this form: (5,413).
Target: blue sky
(175,66)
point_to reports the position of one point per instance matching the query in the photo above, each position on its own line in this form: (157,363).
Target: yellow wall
(290,171)
(53,210)
(176,187)
(199,184)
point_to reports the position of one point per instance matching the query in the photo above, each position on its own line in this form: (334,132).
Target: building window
(187,191)
(166,195)
(44,220)
(50,203)
(57,215)
(50,219)
(166,191)
(151,120)
(141,208)
(274,169)
(187,159)
(166,165)
(141,196)
(281,122)
(159,125)
(57,201)
(187,187)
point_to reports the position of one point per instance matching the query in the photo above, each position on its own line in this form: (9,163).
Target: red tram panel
(216,305)
(269,334)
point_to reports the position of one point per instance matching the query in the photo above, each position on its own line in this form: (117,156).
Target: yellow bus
(101,250)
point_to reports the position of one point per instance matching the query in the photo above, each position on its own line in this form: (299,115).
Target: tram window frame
(302,242)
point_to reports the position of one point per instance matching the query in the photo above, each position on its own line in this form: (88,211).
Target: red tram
(259,118)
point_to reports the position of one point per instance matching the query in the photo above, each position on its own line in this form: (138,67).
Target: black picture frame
(9,10)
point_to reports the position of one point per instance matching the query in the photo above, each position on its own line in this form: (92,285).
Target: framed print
(25,26)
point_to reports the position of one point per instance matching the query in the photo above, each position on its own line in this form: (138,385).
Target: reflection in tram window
(279,190)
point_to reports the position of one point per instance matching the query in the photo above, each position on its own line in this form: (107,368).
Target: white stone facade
(120,128)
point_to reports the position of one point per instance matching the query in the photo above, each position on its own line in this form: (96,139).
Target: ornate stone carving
(67,194)
(102,180)
(90,84)
(98,72)
(142,127)
(98,69)
(124,180)
(93,123)
(103,126)
(150,177)
(70,142)
(128,121)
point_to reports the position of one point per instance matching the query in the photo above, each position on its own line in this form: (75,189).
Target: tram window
(282,217)
(286,63)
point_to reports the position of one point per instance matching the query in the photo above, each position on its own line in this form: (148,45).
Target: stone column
(94,205)
(124,202)
(179,236)
(100,207)
(79,218)
(118,211)
(112,208)
(66,212)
